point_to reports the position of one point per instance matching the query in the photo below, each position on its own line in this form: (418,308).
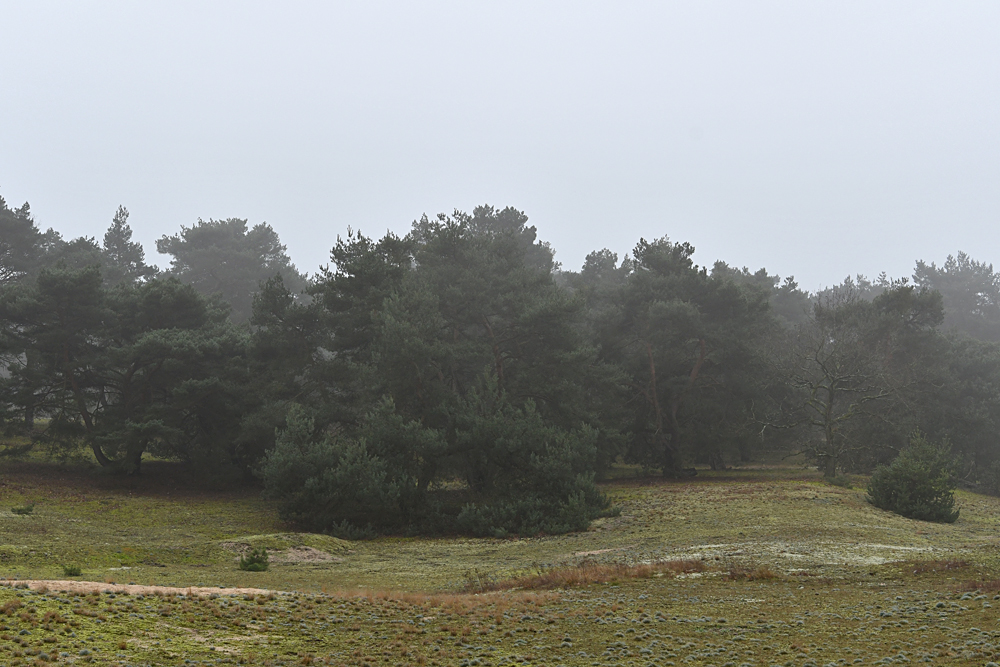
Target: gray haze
(816,139)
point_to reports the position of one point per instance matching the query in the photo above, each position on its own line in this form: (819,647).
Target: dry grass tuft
(581,575)
(985,585)
(750,572)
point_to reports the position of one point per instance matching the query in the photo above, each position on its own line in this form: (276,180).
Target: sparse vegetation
(671,568)
(581,575)
(934,566)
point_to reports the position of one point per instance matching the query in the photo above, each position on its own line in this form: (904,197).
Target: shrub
(255,561)
(919,484)
(23,511)
(842,481)
(328,483)
(72,570)
(523,475)
(527,476)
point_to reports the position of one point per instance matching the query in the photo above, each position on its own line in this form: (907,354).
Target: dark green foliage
(72,570)
(457,379)
(842,481)
(20,243)
(323,481)
(527,476)
(687,349)
(255,561)
(139,367)
(124,259)
(971,292)
(225,259)
(453,373)
(789,304)
(919,484)
(24,510)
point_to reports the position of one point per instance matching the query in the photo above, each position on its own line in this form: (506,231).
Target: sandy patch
(803,554)
(302,554)
(604,551)
(68,586)
(294,554)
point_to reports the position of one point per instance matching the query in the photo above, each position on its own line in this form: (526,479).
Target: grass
(769,567)
(581,575)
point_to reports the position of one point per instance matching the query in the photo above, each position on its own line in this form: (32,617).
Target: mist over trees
(458,379)
(225,259)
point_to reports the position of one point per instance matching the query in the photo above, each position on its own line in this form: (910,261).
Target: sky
(816,139)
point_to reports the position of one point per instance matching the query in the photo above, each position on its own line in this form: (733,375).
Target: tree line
(458,379)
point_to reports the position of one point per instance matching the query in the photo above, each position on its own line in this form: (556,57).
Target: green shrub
(530,477)
(522,475)
(328,484)
(23,511)
(842,481)
(72,570)
(919,484)
(255,561)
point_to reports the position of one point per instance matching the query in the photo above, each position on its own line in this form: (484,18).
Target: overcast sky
(818,139)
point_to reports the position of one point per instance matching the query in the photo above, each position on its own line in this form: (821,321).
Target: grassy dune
(754,567)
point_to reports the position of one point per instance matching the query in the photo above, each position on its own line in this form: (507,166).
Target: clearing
(793,573)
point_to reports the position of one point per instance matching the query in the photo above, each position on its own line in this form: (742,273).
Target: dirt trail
(69,586)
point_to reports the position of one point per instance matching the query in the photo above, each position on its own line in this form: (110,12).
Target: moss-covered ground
(798,574)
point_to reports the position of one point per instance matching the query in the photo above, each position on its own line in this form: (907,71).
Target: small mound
(290,547)
(302,555)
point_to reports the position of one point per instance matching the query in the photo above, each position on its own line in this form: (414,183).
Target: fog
(815,139)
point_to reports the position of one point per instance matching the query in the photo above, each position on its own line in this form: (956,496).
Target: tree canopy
(226,259)
(458,379)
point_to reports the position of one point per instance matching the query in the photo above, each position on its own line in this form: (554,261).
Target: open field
(794,572)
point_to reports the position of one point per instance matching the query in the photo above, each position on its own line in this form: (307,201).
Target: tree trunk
(132,462)
(29,397)
(100,455)
(716,460)
(671,446)
(829,466)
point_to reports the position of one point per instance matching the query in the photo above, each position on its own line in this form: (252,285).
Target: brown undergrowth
(932,566)
(985,585)
(581,575)
(750,572)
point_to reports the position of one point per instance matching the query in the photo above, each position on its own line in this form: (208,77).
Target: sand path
(69,586)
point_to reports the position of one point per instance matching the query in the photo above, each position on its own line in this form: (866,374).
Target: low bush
(918,484)
(520,475)
(843,481)
(23,511)
(72,570)
(255,561)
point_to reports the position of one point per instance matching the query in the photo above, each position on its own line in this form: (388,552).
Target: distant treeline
(458,379)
